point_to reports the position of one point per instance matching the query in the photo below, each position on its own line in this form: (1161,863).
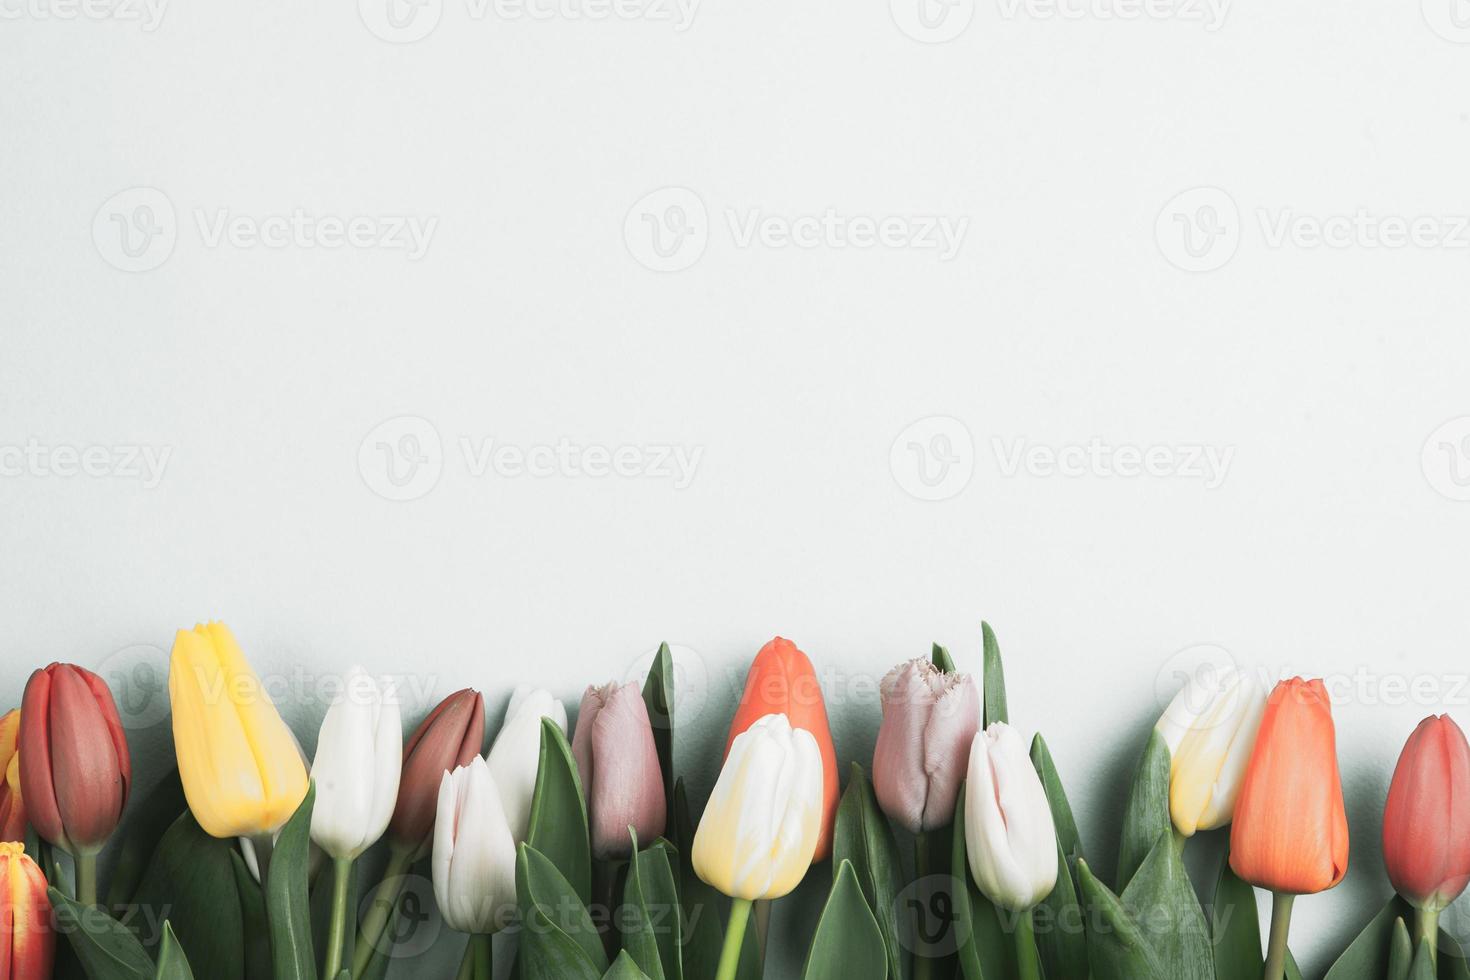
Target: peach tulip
(1426,824)
(27,941)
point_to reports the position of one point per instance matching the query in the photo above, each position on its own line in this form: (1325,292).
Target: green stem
(467,964)
(481,944)
(923,965)
(734,939)
(264,844)
(1028,962)
(337,933)
(1426,930)
(373,924)
(86,868)
(1280,926)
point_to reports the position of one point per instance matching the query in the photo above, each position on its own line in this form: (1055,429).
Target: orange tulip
(27,942)
(12,810)
(1290,833)
(782,681)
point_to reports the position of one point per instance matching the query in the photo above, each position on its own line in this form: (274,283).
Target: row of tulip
(587,849)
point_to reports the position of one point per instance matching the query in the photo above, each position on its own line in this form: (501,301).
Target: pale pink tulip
(929,720)
(618,763)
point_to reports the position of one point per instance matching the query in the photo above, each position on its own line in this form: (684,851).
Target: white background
(272,374)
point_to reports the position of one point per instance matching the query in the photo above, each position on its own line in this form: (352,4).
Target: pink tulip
(450,737)
(75,769)
(929,720)
(618,763)
(1426,824)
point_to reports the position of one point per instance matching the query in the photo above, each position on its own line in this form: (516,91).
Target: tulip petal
(449,737)
(627,789)
(514,757)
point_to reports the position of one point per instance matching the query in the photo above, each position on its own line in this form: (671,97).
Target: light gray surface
(532,319)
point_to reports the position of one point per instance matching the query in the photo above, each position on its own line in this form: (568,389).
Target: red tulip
(782,681)
(1426,824)
(449,738)
(27,942)
(12,809)
(1290,833)
(75,770)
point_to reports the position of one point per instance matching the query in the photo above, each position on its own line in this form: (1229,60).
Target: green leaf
(150,817)
(559,812)
(650,920)
(1068,839)
(984,949)
(1147,813)
(558,924)
(863,838)
(848,944)
(1060,926)
(943,660)
(624,968)
(1400,952)
(1162,901)
(994,677)
(172,963)
(287,904)
(1236,928)
(191,880)
(703,929)
(1116,947)
(107,950)
(658,695)
(1367,957)
(1423,968)
(257,955)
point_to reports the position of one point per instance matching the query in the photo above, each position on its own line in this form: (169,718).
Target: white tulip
(474,854)
(1210,728)
(1009,833)
(516,755)
(760,828)
(359,753)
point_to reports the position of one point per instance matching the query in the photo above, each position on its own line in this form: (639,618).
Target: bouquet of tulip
(584,854)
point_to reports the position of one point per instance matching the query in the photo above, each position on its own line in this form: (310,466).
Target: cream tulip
(516,755)
(1210,728)
(1009,834)
(359,754)
(474,861)
(760,828)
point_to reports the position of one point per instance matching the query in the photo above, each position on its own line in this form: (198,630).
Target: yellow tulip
(240,766)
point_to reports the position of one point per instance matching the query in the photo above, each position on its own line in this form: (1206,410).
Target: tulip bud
(474,853)
(358,754)
(1290,833)
(450,737)
(1210,728)
(516,755)
(240,765)
(1426,824)
(760,828)
(929,720)
(1009,834)
(27,942)
(782,681)
(75,771)
(618,762)
(12,807)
